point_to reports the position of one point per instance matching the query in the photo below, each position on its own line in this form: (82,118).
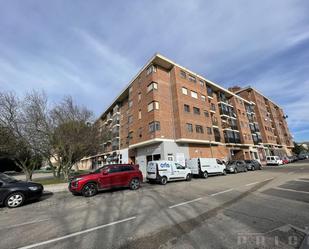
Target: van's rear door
(152,170)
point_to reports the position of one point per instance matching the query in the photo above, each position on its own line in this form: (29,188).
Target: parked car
(206,166)
(165,171)
(236,166)
(285,160)
(253,165)
(106,177)
(273,160)
(14,193)
(302,156)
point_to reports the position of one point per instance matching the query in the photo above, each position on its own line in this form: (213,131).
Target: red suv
(106,177)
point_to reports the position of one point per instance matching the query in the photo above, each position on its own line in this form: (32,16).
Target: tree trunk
(28,174)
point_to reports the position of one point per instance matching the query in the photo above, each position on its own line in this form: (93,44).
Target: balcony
(215,122)
(231,137)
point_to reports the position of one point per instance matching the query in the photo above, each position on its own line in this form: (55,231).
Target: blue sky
(92,49)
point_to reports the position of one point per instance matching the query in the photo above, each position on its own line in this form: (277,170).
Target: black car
(253,165)
(236,166)
(14,193)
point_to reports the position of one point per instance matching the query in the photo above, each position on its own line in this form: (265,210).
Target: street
(258,209)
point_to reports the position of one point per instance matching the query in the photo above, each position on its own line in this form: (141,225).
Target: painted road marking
(225,191)
(252,183)
(293,190)
(25,223)
(77,233)
(268,179)
(186,202)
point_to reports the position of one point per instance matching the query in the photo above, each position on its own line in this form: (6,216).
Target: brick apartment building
(168,112)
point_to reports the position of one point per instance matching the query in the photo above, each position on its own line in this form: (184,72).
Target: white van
(206,166)
(273,160)
(164,171)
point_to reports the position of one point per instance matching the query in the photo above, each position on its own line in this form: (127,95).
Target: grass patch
(49,181)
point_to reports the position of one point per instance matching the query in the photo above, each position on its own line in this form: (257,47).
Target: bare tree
(19,137)
(74,135)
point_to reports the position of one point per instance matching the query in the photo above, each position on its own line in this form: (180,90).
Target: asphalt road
(261,209)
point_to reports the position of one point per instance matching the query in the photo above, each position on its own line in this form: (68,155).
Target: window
(202,83)
(199,129)
(196,110)
(114,169)
(192,78)
(152,86)
(154,105)
(139,114)
(189,127)
(139,96)
(130,119)
(206,113)
(130,135)
(193,94)
(185,91)
(130,103)
(213,107)
(179,166)
(139,132)
(183,74)
(154,126)
(203,98)
(209,131)
(186,108)
(126,168)
(210,92)
(151,69)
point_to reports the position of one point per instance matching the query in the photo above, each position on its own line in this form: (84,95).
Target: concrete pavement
(260,209)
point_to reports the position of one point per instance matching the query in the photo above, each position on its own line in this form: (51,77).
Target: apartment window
(189,127)
(154,126)
(184,91)
(154,105)
(152,86)
(183,74)
(199,129)
(203,98)
(202,83)
(193,94)
(139,114)
(213,107)
(206,113)
(130,135)
(151,69)
(130,119)
(139,96)
(196,110)
(130,103)
(210,92)
(186,108)
(209,130)
(192,78)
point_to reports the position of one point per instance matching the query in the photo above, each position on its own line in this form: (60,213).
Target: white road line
(252,183)
(186,202)
(77,233)
(268,179)
(25,223)
(293,190)
(301,168)
(225,191)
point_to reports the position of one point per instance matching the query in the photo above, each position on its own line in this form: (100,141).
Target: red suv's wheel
(90,189)
(135,184)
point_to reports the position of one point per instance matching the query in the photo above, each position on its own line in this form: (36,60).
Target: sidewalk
(54,188)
